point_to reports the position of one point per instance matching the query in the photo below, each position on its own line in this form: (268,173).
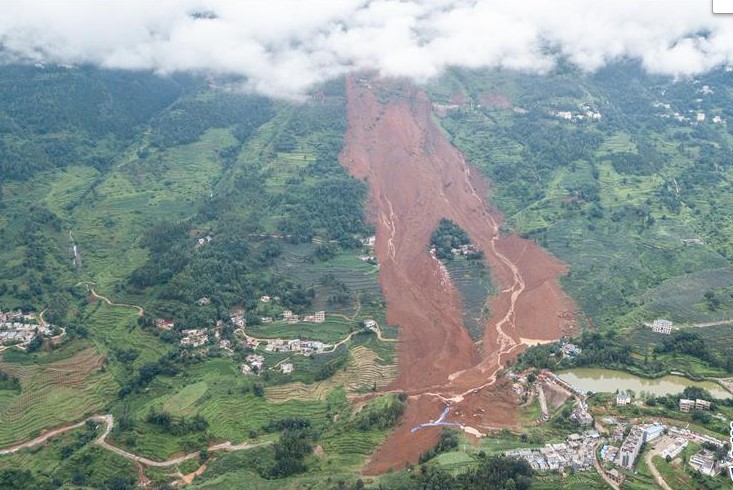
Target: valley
(369,287)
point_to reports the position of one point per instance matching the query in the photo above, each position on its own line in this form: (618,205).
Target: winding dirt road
(101,441)
(649,459)
(601,471)
(415,178)
(140,310)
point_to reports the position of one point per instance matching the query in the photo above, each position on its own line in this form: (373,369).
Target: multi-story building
(662,326)
(630,448)
(623,398)
(686,405)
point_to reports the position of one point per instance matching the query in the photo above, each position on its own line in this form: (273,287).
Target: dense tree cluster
(691,343)
(167,365)
(177,426)
(495,472)
(8,382)
(187,120)
(381,415)
(290,451)
(448,440)
(447,236)
(611,350)
(53,117)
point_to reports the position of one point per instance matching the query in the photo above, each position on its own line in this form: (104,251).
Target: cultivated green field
(54,392)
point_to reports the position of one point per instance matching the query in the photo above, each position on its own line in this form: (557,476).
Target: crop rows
(473,282)
(681,299)
(363,372)
(55,394)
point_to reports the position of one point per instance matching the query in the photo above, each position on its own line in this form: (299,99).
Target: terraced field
(117,327)
(357,275)
(54,394)
(44,460)
(718,338)
(682,299)
(349,448)
(473,281)
(334,329)
(128,200)
(362,373)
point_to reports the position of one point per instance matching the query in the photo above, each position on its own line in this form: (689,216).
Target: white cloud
(285,46)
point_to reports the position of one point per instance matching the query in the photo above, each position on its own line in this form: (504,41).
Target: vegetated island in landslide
(415,179)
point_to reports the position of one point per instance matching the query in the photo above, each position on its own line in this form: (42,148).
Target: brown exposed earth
(497,101)
(416,177)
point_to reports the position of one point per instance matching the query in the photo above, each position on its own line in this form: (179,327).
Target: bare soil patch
(498,101)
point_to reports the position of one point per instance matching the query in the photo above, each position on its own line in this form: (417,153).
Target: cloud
(283,47)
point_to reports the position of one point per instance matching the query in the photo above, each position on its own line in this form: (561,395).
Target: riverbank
(609,381)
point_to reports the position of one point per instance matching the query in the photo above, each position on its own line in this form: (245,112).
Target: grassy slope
(621,260)
(107,210)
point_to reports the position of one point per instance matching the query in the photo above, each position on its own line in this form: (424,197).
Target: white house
(662,326)
(286,368)
(653,431)
(623,398)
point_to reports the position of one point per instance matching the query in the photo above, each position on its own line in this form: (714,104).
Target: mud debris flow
(416,177)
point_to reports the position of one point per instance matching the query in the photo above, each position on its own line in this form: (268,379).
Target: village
(18,329)
(585,113)
(254,363)
(577,452)
(613,446)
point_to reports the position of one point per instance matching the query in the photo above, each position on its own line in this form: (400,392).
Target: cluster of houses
(317,317)
(693,117)
(631,446)
(577,452)
(369,243)
(287,315)
(254,363)
(225,344)
(660,326)
(18,329)
(570,350)
(580,414)
(686,406)
(467,250)
(586,113)
(203,241)
(627,454)
(305,347)
(238,319)
(195,337)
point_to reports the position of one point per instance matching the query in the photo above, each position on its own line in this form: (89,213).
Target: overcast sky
(285,46)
